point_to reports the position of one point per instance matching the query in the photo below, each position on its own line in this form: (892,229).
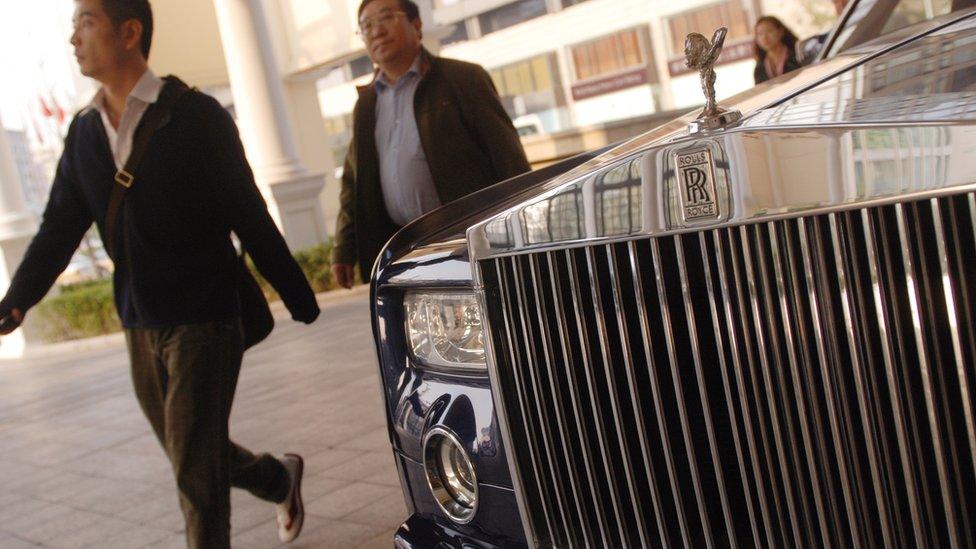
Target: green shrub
(316,263)
(79,310)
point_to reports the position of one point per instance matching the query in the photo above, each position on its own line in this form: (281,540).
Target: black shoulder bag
(256,318)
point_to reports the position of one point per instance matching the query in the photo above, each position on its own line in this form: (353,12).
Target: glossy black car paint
(417,399)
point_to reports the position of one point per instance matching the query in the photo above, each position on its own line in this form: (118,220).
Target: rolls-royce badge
(696,185)
(701,54)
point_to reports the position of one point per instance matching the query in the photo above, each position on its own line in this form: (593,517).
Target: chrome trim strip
(614,403)
(914,299)
(743,396)
(481,249)
(952,312)
(634,398)
(639,289)
(757,320)
(702,390)
(679,394)
(908,469)
(801,404)
(520,391)
(562,433)
(548,448)
(501,410)
(576,283)
(572,379)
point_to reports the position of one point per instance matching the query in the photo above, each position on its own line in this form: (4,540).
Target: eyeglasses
(385,19)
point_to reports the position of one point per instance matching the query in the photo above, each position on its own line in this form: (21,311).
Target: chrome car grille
(797,382)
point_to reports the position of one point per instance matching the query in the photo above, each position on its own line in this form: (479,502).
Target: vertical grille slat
(698,348)
(637,403)
(511,343)
(766,469)
(826,363)
(597,417)
(747,453)
(922,358)
(651,357)
(860,386)
(573,385)
(801,382)
(756,299)
(563,434)
(787,315)
(967,465)
(635,518)
(682,410)
(887,355)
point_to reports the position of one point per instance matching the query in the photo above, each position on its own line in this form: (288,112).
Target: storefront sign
(730,54)
(593,88)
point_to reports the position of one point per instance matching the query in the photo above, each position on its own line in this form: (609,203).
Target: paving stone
(347,499)
(11,542)
(80,467)
(135,536)
(382,541)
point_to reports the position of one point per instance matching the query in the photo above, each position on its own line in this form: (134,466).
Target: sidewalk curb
(118,339)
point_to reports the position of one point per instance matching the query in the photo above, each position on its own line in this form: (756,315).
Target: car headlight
(445,330)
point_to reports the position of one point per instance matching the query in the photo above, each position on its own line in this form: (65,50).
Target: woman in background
(775,47)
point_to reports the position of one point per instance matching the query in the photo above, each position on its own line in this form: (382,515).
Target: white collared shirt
(144,93)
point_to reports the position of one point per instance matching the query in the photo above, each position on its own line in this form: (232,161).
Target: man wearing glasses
(426,131)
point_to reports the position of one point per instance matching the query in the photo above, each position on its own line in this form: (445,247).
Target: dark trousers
(185,377)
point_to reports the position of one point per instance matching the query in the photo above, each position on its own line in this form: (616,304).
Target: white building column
(17,227)
(290,189)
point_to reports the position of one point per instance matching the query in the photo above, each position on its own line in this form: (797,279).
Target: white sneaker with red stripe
(291,512)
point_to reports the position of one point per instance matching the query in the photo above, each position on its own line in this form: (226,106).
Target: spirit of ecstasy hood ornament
(701,54)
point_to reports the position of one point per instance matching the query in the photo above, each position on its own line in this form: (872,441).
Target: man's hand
(10,320)
(344,274)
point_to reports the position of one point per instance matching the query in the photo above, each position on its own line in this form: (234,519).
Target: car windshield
(870,19)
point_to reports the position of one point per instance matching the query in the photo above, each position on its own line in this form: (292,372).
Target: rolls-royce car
(756,332)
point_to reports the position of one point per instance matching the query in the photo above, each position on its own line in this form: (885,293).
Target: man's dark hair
(408,7)
(120,11)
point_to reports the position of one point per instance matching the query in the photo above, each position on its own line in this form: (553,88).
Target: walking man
(426,131)
(176,270)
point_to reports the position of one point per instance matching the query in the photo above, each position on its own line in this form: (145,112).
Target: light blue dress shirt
(408,187)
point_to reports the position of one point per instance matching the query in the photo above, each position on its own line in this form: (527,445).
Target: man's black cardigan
(175,261)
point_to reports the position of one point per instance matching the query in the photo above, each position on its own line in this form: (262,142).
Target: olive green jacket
(468,138)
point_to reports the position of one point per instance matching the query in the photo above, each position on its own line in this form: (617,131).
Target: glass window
(705,20)
(511,14)
(458,34)
(528,87)
(608,55)
(360,66)
(871,19)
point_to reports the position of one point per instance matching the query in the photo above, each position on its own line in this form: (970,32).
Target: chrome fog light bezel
(440,487)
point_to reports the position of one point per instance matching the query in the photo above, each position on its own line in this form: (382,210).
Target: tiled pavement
(79,466)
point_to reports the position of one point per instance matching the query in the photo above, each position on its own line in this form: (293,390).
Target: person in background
(775,47)
(808,49)
(427,131)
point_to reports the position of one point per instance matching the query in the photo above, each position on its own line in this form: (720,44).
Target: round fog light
(450,475)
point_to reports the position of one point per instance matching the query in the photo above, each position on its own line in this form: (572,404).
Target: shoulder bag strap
(151,121)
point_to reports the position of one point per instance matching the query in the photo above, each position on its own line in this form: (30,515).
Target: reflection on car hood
(854,129)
